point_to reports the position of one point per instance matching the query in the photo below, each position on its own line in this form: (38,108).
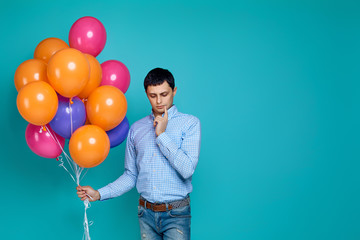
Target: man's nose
(158,100)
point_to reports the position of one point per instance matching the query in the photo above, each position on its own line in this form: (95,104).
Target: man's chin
(158,111)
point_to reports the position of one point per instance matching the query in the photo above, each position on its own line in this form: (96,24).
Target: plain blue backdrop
(274,83)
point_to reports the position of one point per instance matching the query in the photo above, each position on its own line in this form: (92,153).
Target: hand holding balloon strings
(85,192)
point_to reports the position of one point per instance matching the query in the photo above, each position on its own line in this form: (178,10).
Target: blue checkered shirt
(160,167)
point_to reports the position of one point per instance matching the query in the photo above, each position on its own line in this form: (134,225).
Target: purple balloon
(61,123)
(118,134)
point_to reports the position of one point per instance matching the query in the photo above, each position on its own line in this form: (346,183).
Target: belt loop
(145,204)
(167,206)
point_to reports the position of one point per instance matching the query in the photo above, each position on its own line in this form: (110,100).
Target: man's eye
(164,95)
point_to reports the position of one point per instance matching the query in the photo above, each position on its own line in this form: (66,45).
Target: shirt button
(154,187)
(154,154)
(154,170)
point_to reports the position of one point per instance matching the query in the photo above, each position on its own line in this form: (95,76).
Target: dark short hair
(157,76)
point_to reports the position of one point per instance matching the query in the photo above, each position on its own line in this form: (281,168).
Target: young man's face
(160,96)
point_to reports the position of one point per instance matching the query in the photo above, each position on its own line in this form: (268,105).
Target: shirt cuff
(104,193)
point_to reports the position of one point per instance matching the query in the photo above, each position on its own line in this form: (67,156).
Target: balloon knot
(57,159)
(44,128)
(71,101)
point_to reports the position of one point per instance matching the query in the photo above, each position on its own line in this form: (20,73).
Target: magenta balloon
(88,35)
(42,143)
(116,74)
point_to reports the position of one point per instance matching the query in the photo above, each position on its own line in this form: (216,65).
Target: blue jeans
(169,225)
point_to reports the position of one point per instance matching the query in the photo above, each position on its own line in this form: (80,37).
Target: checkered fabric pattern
(160,167)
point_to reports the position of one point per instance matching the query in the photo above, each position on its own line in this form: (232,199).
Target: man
(162,151)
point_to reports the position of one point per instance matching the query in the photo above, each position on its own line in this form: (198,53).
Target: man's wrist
(98,195)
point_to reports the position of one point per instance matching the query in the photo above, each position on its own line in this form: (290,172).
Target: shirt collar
(171,113)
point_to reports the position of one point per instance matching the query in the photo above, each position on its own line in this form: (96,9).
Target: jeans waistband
(175,204)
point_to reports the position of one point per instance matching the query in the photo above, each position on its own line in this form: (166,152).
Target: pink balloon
(42,143)
(88,35)
(116,74)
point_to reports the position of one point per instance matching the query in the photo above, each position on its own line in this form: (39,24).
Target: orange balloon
(48,47)
(29,71)
(95,76)
(37,103)
(89,146)
(106,107)
(68,72)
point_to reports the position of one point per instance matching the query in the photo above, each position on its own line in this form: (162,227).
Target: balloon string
(84,174)
(53,136)
(86,223)
(62,165)
(77,170)
(71,122)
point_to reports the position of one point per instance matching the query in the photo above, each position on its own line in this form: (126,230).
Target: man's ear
(175,88)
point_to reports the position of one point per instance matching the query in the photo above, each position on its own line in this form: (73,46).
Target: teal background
(274,83)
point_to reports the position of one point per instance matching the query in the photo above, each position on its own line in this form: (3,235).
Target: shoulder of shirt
(190,119)
(141,122)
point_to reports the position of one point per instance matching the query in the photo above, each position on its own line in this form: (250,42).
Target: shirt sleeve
(128,179)
(185,158)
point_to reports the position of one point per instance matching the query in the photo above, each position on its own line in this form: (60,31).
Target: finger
(157,120)
(166,113)
(80,192)
(81,195)
(86,188)
(84,198)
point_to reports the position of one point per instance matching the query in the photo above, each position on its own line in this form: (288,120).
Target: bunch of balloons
(65,93)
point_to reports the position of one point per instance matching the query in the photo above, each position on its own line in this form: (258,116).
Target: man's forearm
(120,186)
